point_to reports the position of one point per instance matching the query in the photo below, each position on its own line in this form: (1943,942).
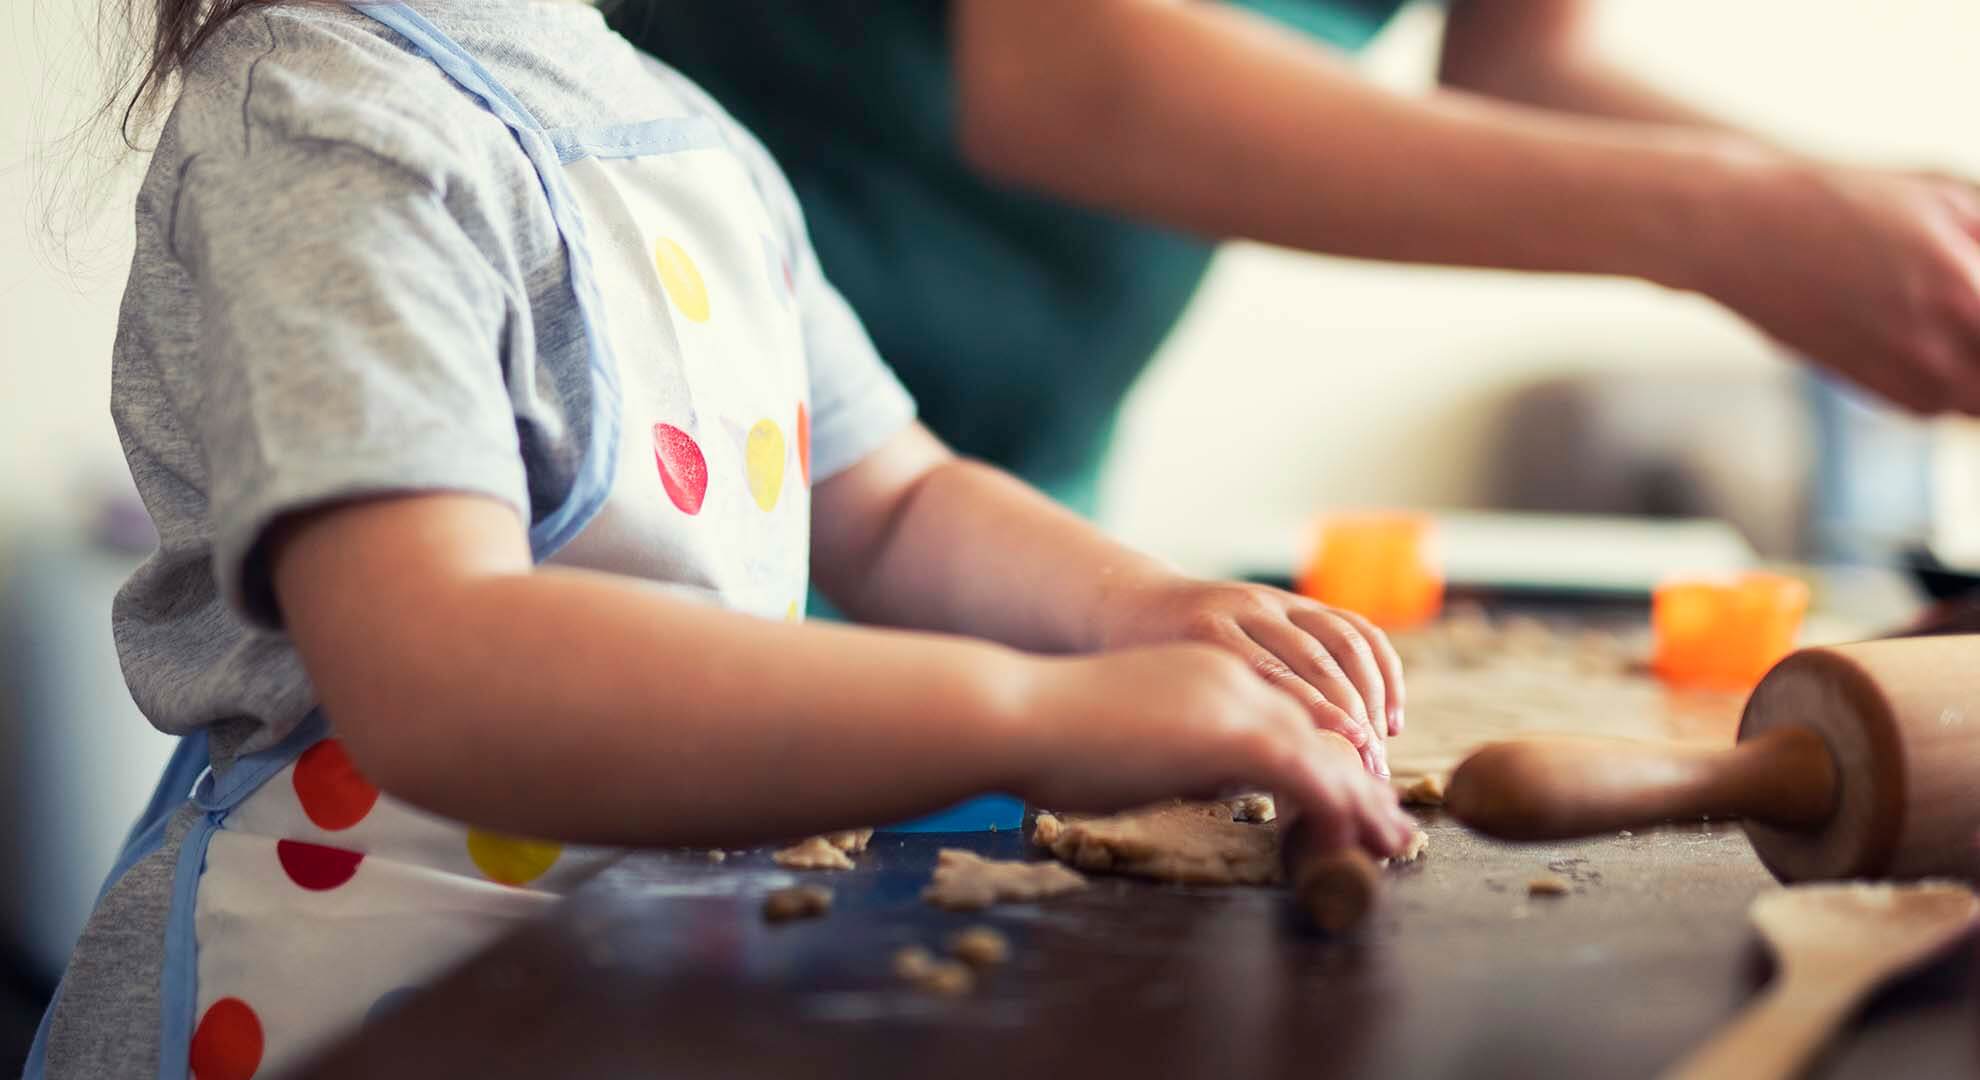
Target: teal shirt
(1017,322)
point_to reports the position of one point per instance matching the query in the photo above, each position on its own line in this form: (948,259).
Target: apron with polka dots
(322,901)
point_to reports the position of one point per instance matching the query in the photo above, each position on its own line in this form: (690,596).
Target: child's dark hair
(177,29)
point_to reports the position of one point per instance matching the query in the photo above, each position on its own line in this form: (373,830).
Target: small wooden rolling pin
(1336,889)
(1853,761)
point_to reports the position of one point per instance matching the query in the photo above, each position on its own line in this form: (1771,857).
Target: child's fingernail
(1395,719)
(1381,759)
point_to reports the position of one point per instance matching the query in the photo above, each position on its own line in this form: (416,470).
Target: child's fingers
(1388,660)
(1352,652)
(1324,710)
(1299,652)
(1340,806)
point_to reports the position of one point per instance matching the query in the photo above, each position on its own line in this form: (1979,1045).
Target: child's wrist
(1120,612)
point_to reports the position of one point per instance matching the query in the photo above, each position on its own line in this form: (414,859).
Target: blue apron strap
(595,472)
(183,769)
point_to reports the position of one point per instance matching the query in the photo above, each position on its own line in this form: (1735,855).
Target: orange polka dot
(317,867)
(330,788)
(227,1043)
(511,860)
(804,443)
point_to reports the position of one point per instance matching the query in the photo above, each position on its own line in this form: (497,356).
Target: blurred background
(1295,385)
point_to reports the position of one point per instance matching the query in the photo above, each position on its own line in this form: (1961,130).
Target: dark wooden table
(664,967)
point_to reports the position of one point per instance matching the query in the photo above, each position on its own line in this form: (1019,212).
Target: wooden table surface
(664,967)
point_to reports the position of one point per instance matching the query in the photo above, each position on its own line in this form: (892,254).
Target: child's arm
(588,707)
(914,536)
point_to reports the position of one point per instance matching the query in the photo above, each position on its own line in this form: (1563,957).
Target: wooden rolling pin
(1853,761)
(1336,889)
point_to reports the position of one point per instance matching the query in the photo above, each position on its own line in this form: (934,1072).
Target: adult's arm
(1205,118)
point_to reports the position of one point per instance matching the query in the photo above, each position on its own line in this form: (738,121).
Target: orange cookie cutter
(1380,564)
(1725,634)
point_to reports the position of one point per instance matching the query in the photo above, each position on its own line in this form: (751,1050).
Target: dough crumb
(913,962)
(1419,842)
(853,841)
(1625,834)
(980,947)
(817,853)
(717,855)
(797,902)
(1547,886)
(1426,791)
(966,881)
(1045,829)
(947,978)
(1254,809)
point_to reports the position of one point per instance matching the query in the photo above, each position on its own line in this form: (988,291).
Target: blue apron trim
(219,794)
(187,764)
(649,139)
(179,982)
(183,770)
(449,57)
(594,477)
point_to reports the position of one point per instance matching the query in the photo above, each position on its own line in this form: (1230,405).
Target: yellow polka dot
(791,613)
(511,860)
(764,456)
(682,279)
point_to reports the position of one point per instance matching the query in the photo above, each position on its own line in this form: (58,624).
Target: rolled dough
(1193,843)
(966,881)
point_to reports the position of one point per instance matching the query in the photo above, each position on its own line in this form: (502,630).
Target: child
(493,412)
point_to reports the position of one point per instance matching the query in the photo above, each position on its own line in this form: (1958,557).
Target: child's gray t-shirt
(347,283)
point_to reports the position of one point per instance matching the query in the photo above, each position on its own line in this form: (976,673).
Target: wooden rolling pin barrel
(1856,761)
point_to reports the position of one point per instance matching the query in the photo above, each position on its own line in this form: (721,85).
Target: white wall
(1298,382)
(60,279)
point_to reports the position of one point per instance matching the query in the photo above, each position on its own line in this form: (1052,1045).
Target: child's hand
(1125,728)
(1335,663)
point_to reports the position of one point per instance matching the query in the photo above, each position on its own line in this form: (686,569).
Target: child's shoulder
(323,73)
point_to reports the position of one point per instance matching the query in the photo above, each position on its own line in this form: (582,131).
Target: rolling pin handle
(1564,787)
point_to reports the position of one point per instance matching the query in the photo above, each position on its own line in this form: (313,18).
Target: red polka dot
(804,443)
(316,866)
(227,1043)
(332,792)
(683,471)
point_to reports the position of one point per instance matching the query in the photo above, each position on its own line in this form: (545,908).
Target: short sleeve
(350,343)
(857,403)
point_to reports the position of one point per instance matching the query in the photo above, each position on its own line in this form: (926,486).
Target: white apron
(307,900)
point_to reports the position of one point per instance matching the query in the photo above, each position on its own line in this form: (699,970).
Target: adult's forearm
(1205,118)
(1542,53)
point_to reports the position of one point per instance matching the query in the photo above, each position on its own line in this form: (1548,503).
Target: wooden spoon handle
(1560,787)
(1772,1039)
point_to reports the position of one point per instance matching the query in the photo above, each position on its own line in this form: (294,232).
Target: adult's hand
(1875,275)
